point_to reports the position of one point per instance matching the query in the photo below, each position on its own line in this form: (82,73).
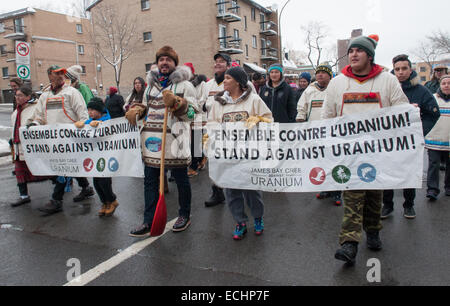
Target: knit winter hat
(239,75)
(306,76)
(326,68)
(74,72)
(367,43)
(167,51)
(97,104)
(276,67)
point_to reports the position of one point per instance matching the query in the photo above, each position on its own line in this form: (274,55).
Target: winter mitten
(252,122)
(136,111)
(79,124)
(169,98)
(265,120)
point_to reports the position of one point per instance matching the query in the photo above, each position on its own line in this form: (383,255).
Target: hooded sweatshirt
(351,94)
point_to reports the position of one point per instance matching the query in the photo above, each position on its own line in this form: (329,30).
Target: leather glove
(94,123)
(79,124)
(134,112)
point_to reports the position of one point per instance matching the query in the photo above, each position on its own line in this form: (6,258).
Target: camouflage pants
(362,210)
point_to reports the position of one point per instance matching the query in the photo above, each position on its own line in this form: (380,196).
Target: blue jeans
(151,192)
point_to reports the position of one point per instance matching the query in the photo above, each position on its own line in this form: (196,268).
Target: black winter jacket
(281,101)
(418,94)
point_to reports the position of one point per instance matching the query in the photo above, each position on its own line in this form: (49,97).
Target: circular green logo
(342,174)
(101,165)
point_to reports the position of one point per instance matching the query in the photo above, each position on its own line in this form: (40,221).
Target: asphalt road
(296,249)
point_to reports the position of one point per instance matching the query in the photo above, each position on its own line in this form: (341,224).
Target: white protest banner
(110,150)
(380,149)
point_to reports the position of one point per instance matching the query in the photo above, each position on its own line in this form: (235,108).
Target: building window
(263,22)
(234,7)
(423,69)
(5,72)
(263,47)
(83,69)
(423,79)
(2,27)
(147,36)
(236,34)
(246,50)
(264,66)
(148,67)
(245,23)
(3,49)
(238,62)
(254,42)
(223,36)
(253,14)
(79,29)
(221,7)
(80,49)
(145,5)
(18,25)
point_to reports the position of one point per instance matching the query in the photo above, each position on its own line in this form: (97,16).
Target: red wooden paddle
(160,217)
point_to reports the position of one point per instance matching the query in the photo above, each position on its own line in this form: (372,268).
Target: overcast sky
(401,24)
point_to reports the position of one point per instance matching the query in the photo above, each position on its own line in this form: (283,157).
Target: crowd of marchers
(231,96)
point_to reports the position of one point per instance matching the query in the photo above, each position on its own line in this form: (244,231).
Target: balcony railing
(230,14)
(269,54)
(268,28)
(231,45)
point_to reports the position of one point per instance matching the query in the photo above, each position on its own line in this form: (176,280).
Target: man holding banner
(61,103)
(362,87)
(167,87)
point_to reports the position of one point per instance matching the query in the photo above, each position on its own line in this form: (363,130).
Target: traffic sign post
(23,60)
(23,72)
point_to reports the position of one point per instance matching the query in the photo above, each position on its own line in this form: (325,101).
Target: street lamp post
(279,30)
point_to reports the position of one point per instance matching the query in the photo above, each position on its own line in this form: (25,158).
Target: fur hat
(74,72)
(97,104)
(167,51)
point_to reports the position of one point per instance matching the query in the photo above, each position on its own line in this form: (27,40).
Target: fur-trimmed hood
(181,73)
(224,97)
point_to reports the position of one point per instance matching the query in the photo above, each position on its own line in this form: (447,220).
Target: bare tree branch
(115,36)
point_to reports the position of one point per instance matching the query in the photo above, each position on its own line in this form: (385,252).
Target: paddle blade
(160,218)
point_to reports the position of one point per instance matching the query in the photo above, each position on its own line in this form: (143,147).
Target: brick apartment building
(425,72)
(197,30)
(53,39)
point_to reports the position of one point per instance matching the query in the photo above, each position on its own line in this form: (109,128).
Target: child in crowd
(103,185)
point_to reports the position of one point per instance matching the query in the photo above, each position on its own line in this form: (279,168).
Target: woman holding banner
(238,103)
(26,103)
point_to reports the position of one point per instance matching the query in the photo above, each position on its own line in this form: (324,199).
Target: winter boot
(101,212)
(374,241)
(84,194)
(111,208)
(216,198)
(347,253)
